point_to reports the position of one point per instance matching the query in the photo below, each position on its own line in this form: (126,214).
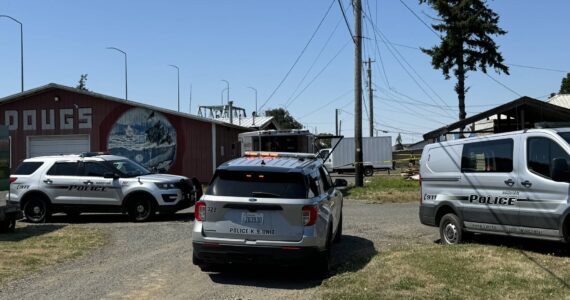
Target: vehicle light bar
(278,154)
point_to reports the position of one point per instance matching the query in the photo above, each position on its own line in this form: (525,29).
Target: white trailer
(376,152)
(291,140)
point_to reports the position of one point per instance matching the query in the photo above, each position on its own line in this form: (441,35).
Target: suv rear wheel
(141,209)
(322,267)
(36,210)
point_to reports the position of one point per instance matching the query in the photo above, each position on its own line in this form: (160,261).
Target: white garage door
(57,144)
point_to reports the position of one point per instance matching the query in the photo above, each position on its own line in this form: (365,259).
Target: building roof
(528,109)
(251,122)
(50,86)
(560,100)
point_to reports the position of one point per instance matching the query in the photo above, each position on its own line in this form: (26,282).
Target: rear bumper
(224,254)
(427,215)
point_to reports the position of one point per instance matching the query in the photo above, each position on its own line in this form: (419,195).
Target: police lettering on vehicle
(86,188)
(496,200)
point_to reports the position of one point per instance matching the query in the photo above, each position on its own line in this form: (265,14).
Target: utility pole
(336,121)
(370,97)
(359,176)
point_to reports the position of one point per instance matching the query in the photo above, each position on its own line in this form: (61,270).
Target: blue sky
(254,43)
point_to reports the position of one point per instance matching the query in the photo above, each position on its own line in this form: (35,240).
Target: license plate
(251,218)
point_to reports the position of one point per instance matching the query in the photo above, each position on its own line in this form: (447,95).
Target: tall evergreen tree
(565,86)
(466,42)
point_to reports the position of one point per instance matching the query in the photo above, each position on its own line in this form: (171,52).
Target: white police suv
(276,208)
(95,182)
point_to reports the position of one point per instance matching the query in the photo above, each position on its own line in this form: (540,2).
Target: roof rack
(544,125)
(91,154)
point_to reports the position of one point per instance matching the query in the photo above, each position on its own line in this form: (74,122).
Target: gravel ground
(154,260)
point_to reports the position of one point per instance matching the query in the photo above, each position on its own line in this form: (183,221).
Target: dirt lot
(154,260)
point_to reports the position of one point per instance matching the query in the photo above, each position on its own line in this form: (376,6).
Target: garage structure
(56,119)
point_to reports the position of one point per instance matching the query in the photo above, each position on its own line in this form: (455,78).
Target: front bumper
(224,254)
(180,205)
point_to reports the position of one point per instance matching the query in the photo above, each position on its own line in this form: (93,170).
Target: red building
(55,119)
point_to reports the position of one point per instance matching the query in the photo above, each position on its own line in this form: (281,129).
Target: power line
(298,57)
(346,21)
(317,76)
(314,62)
(503,85)
(538,68)
(327,104)
(420,19)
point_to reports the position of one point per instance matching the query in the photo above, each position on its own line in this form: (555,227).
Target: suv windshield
(128,168)
(258,184)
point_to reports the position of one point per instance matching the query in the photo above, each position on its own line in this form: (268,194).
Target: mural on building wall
(146,137)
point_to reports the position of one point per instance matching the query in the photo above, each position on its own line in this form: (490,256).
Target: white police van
(514,183)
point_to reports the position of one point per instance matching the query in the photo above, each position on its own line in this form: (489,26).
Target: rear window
(27,168)
(258,184)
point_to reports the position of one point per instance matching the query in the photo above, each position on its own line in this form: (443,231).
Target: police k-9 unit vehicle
(514,183)
(276,208)
(95,182)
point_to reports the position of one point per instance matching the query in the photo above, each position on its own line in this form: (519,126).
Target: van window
(540,154)
(489,156)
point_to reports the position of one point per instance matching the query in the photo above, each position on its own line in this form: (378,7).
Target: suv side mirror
(560,170)
(110,175)
(339,182)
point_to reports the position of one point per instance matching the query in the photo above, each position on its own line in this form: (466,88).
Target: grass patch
(386,189)
(469,271)
(33,247)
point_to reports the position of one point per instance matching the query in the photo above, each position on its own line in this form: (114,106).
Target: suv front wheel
(141,209)
(36,210)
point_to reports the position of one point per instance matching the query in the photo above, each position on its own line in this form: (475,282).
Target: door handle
(526,183)
(88,182)
(509,182)
(48,181)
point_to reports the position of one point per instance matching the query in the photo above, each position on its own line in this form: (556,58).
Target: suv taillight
(309,215)
(13,179)
(200,211)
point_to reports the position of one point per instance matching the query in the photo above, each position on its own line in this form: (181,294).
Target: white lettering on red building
(29,119)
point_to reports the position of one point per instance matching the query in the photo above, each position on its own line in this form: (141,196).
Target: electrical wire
(327,104)
(420,19)
(298,57)
(346,21)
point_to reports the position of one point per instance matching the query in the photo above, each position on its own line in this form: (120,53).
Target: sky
(255,43)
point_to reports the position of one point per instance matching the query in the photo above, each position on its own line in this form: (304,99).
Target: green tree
(399,145)
(283,118)
(466,42)
(82,83)
(565,86)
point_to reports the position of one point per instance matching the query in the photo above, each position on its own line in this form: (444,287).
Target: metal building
(56,119)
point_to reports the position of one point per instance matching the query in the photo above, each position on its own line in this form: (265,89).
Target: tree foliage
(283,118)
(565,86)
(82,84)
(467,27)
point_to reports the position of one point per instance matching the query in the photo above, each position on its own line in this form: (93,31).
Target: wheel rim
(142,210)
(450,233)
(35,210)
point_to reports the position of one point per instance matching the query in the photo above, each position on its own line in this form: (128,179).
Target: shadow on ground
(94,218)
(524,244)
(29,231)
(351,254)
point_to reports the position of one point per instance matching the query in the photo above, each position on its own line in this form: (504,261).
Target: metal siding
(194,137)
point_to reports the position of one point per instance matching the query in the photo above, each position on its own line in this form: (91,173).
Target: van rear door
(255,206)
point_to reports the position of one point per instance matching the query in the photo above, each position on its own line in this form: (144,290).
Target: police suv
(94,182)
(514,183)
(280,208)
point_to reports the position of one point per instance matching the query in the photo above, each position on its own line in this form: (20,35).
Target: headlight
(166,186)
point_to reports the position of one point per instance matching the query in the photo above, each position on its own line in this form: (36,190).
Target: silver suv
(268,208)
(92,182)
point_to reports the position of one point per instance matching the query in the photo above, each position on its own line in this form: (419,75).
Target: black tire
(338,235)
(322,267)
(141,209)
(37,210)
(368,171)
(450,230)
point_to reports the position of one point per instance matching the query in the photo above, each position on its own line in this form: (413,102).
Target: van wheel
(368,171)
(141,209)
(36,210)
(450,230)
